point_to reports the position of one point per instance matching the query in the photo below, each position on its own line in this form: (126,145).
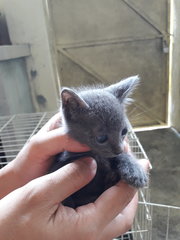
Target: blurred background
(47,44)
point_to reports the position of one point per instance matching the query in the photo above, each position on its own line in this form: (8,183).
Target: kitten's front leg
(130,171)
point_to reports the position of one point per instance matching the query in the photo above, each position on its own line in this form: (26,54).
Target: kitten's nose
(118,150)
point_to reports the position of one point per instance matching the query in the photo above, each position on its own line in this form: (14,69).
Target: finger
(112,202)
(145,164)
(123,222)
(126,146)
(54,142)
(59,185)
(115,199)
(53,123)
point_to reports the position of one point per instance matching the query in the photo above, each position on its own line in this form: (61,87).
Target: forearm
(9,180)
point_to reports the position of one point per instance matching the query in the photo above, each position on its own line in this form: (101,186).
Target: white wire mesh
(165,224)
(17,129)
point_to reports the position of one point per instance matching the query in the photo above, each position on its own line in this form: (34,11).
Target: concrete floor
(163,149)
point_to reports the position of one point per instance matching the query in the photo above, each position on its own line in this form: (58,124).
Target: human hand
(36,156)
(34,211)
(31,208)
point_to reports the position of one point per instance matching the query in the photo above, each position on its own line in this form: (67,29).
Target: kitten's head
(96,117)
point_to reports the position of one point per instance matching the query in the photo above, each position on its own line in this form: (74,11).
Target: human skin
(31,201)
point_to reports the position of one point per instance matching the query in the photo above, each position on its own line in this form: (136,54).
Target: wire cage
(152,221)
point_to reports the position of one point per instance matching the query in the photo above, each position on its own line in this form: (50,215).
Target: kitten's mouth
(110,155)
(114,155)
(107,154)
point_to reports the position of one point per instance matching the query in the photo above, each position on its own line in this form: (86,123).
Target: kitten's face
(97,118)
(102,126)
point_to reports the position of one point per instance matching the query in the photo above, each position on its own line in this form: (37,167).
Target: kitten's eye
(124,132)
(102,139)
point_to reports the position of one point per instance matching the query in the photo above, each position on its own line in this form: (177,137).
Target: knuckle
(35,143)
(33,139)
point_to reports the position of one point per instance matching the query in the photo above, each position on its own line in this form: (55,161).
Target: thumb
(65,181)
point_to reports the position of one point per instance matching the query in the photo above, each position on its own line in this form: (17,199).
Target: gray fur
(92,115)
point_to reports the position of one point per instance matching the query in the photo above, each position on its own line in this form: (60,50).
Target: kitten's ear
(72,103)
(124,88)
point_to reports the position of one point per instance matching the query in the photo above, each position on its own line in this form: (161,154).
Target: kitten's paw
(136,176)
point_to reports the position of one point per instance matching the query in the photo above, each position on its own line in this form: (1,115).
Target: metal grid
(16,130)
(164,222)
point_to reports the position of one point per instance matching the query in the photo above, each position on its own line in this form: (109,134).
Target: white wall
(28,23)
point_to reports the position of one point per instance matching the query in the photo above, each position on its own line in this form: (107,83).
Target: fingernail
(150,166)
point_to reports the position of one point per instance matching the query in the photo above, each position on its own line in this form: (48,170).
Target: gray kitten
(96,117)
